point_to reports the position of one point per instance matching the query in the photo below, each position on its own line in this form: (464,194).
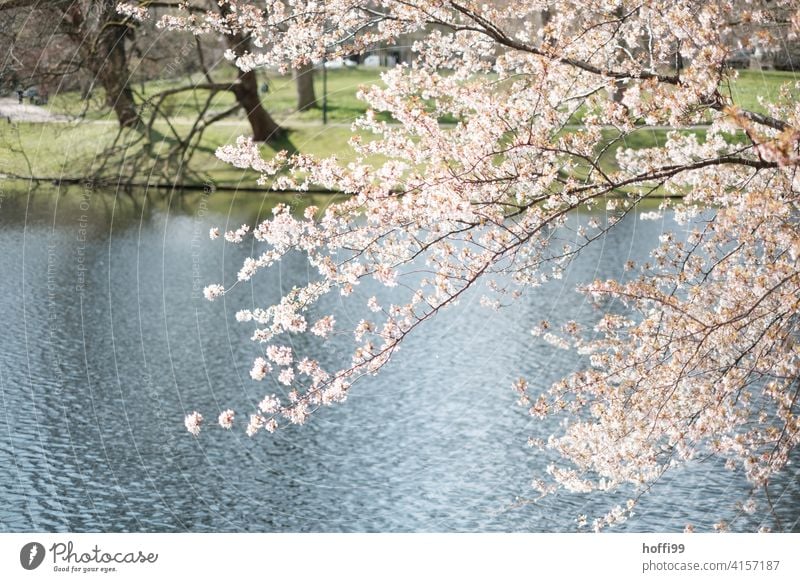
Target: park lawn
(280,100)
(73,151)
(746,89)
(68,152)
(648,138)
(343,105)
(641,138)
(58,150)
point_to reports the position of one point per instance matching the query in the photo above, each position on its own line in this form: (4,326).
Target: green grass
(343,105)
(642,138)
(280,100)
(650,138)
(56,150)
(746,89)
(62,151)
(74,150)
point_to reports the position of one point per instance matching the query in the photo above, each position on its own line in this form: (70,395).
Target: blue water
(107,343)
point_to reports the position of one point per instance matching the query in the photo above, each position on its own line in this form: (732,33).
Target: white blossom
(211,292)
(193,422)
(226,418)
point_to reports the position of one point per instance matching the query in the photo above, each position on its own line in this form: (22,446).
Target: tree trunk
(304,77)
(112,71)
(105,57)
(264,127)
(618,91)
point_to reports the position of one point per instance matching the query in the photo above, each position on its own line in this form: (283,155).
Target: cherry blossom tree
(704,358)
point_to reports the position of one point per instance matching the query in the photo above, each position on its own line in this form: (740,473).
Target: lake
(108,343)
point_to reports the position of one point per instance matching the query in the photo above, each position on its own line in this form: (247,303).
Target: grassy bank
(75,150)
(60,151)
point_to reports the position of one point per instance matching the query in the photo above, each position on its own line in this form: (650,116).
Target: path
(10,109)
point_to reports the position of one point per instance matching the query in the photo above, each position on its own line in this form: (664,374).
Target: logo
(31,555)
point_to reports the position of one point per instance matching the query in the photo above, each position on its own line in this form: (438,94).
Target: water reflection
(100,364)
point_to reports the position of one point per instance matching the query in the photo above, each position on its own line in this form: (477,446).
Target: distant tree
(304,78)
(240,46)
(264,127)
(98,45)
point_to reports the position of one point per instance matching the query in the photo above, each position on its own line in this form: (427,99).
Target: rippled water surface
(107,343)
